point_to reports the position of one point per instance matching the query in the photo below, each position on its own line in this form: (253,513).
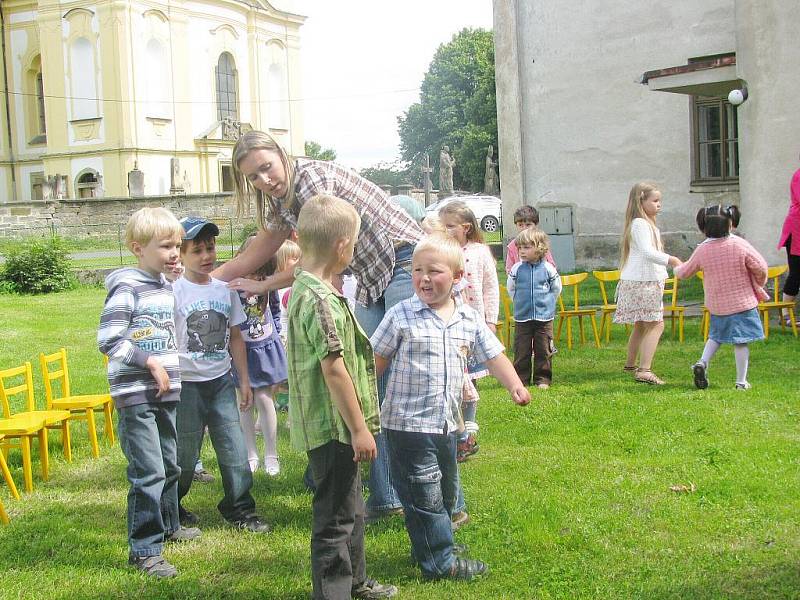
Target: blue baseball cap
(192,226)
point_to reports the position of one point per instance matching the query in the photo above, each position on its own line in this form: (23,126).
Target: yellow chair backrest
(605,277)
(54,367)
(7,390)
(699,275)
(671,290)
(505,304)
(573,280)
(774,273)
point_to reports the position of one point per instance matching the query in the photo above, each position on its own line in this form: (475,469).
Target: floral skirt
(639,301)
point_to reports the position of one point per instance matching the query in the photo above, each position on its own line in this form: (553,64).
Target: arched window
(279,96)
(87,183)
(227,105)
(158,90)
(83,85)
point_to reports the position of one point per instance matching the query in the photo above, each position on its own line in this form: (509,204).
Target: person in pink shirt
(790,239)
(525,216)
(734,274)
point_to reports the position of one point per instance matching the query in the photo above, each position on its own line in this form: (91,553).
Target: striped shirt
(138,321)
(320,324)
(429,358)
(382,222)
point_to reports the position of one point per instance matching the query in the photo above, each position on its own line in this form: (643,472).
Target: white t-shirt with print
(204,315)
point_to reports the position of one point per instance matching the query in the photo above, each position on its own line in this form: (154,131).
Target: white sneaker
(271,466)
(253,464)
(743,386)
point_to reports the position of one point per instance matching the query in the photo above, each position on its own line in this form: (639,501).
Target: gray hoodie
(138,321)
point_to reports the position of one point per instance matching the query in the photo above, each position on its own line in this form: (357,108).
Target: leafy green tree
(315,151)
(388,173)
(457,108)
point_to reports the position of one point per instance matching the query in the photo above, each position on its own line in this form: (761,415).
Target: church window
(227,104)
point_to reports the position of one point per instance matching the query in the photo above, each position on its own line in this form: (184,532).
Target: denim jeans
(149,441)
(213,403)
(382,496)
(337,530)
(426,479)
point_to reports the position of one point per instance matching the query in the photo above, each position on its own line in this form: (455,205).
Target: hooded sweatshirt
(138,321)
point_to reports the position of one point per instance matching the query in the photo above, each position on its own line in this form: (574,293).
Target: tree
(388,173)
(457,108)
(315,151)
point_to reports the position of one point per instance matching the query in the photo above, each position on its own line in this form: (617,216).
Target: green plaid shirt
(321,323)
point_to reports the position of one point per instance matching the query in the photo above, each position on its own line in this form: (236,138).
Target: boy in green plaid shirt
(334,407)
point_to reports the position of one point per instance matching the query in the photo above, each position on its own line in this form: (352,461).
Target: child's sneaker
(467,448)
(700,379)
(271,466)
(742,386)
(369,588)
(153,565)
(184,534)
(187,517)
(202,476)
(458,520)
(253,462)
(252,523)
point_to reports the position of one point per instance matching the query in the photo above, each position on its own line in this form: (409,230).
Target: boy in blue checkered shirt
(428,338)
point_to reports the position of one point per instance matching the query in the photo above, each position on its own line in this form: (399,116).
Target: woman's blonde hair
(245,192)
(536,239)
(637,195)
(289,250)
(322,222)
(462,212)
(445,246)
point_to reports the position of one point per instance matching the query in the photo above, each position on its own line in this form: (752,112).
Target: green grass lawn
(569,497)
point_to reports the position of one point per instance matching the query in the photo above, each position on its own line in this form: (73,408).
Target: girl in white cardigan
(641,288)
(480,289)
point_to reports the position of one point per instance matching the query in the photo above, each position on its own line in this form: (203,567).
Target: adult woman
(790,239)
(381,261)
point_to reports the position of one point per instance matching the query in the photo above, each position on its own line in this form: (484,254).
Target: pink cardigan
(482,291)
(734,274)
(791,225)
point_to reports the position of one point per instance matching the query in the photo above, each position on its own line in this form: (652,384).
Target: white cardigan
(645,261)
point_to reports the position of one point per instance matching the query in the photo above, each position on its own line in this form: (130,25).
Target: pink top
(791,225)
(734,274)
(512,256)
(482,291)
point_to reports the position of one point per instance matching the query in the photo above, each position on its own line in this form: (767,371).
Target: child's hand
(674,261)
(245,397)
(159,374)
(364,449)
(521,396)
(252,287)
(492,327)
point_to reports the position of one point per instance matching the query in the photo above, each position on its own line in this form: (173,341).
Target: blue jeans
(149,441)
(382,496)
(213,403)
(426,479)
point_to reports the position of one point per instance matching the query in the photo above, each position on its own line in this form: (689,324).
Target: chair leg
(680,328)
(7,476)
(580,327)
(92,432)
(27,474)
(558,329)
(107,409)
(792,323)
(44,454)
(66,440)
(596,333)
(4,515)
(766,324)
(569,333)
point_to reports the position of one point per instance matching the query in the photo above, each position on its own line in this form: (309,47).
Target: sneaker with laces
(202,476)
(252,523)
(156,566)
(271,466)
(458,520)
(742,386)
(187,518)
(183,534)
(700,378)
(369,588)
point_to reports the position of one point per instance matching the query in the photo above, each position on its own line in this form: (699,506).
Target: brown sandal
(628,369)
(647,376)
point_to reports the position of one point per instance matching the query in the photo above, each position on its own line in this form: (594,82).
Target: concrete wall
(577,129)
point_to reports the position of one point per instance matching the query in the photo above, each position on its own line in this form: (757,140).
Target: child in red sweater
(734,274)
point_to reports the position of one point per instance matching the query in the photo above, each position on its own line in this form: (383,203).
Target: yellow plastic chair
(54,368)
(9,482)
(608,308)
(774,274)
(673,311)
(17,432)
(575,310)
(53,418)
(506,324)
(705,322)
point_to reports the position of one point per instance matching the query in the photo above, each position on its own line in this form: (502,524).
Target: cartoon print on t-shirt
(257,326)
(207,331)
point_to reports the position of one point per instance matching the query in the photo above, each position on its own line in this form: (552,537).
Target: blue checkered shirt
(429,358)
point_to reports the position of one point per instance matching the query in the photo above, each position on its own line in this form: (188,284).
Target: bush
(38,267)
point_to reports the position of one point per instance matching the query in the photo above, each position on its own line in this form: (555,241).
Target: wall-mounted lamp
(736,97)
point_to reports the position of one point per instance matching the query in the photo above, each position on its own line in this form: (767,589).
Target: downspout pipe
(8,106)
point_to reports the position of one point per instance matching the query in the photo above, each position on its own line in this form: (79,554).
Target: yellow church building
(132,98)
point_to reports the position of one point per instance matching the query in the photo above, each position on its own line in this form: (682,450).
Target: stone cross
(426,175)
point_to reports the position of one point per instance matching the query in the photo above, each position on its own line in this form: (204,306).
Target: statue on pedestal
(446,164)
(490,177)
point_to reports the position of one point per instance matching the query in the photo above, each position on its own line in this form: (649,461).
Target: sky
(363,62)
